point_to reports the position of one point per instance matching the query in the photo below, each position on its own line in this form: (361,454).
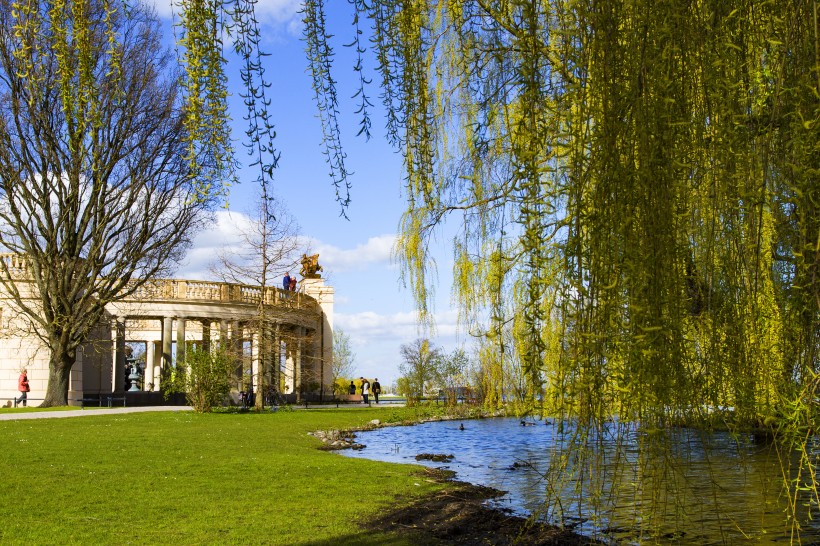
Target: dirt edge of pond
(459,515)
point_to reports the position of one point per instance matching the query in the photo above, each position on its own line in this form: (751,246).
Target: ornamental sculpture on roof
(310,266)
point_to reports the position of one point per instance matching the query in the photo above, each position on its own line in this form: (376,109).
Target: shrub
(205,378)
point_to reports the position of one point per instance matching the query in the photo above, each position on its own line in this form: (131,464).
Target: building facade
(288,335)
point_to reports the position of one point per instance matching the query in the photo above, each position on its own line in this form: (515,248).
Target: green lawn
(185,478)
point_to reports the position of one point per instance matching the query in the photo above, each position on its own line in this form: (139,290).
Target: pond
(694,488)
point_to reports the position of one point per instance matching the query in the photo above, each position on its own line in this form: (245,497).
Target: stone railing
(14,262)
(205,291)
(187,290)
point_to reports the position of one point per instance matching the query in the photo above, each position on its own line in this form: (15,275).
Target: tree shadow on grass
(458,516)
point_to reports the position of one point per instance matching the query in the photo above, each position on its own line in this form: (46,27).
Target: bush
(205,378)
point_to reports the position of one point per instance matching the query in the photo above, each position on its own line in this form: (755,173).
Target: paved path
(18,415)
(13,416)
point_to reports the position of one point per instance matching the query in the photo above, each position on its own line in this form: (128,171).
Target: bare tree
(269,246)
(96,194)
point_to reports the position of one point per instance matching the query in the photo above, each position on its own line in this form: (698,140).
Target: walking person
(22,386)
(286,281)
(365,391)
(377,390)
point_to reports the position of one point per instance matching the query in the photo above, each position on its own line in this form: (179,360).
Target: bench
(103,400)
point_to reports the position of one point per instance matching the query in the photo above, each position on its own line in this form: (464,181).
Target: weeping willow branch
(320,57)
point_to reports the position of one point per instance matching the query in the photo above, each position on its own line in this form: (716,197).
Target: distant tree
(451,374)
(420,361)
(343,364)
(404,388)
(96,191)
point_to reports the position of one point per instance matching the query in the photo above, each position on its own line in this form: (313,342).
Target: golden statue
(310,266)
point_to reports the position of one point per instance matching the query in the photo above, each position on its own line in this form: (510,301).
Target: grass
(186,478)
(26,409)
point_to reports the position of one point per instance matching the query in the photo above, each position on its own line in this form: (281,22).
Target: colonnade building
(142,339)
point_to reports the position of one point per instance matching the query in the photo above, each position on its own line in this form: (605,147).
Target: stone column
(290,372)
(223,333)
(256,372)
(236,350)
(118,338)
(150,382)
(266,349)
(323,353)
(276,358)
(206,334)
(167,361)
(297,363)
(180,341)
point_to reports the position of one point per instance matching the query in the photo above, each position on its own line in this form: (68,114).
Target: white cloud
(376,339)
(223,234)
(279,13)
(377,250)
(369,327)
(283,11)
(226,233)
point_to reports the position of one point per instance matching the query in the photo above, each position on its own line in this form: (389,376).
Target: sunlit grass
(21,409)
(185,478)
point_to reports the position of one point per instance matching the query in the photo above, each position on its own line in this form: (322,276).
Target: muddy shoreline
(458,515)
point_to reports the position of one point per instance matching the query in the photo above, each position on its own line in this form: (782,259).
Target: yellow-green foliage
(205,378)
(70,25)
(635,184)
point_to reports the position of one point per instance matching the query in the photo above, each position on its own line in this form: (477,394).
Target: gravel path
(14,416)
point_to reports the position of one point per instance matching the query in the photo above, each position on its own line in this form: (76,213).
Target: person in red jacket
(22,386)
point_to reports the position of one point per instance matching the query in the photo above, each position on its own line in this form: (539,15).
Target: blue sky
(372,307)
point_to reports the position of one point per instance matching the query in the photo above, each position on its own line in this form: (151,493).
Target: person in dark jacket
(377,389)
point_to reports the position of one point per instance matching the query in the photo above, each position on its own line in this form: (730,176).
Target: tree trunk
(59,373)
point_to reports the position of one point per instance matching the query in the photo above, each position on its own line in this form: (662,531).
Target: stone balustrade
(190,290)
(16,264)
(206,291)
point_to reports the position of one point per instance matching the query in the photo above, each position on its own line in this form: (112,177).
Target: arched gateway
(164,316)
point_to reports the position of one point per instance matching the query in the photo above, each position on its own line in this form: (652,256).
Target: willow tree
(639,173)
(638,180)
(97,196)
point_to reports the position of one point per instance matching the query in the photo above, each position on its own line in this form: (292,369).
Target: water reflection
(696,488)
